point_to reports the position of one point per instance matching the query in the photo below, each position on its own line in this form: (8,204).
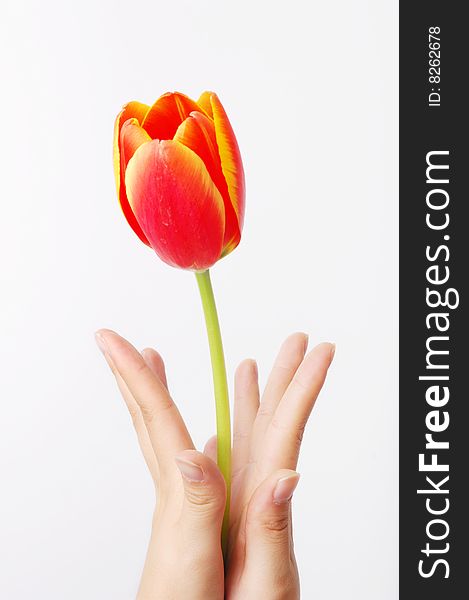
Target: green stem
(220,386)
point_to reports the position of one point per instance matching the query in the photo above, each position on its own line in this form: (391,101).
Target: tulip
(180,184)
(180,178)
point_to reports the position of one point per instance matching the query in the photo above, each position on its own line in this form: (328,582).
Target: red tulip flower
(180,179)
(180,183)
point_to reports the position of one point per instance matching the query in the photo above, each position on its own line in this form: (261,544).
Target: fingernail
(285,487)
(306,341)
(332,351)
(190,470)
(101,343)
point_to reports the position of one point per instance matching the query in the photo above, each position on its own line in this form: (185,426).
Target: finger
(246,405)
(140,428)
(268,523)
(286,364)
(156,364)
(210,448)
(167,431)
(204,497)
(285,432)
(137,420)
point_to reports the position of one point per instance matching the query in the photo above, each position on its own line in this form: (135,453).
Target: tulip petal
(132,137)
(135,110)
(165,116)
(131,110)
(197,132)
(176,204)
(205,104)
(230,156)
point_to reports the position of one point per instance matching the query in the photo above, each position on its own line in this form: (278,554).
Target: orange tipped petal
(132,110)
(197,132)
(176,204)
(165,116)
(135,110)
(205,104)
(132,137)
(230,156)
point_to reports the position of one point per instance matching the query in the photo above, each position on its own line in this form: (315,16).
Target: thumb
(204,495)
(268,519)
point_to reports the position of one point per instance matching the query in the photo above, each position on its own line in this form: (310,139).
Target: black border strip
(429,255)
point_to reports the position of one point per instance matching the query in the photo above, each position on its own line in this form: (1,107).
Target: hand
(184,559)
(266,443)
(184,556)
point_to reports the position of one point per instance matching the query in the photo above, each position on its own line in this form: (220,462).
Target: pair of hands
(184,559)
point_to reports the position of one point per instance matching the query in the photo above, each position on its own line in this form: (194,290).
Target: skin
(184,558)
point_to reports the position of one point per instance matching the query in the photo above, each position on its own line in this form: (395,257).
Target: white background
(311,91)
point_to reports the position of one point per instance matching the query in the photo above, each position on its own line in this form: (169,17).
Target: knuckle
(299,433)
(276,424)
(148,412)
(237,472)
(204,499)
(239,436)
(165,403)
(264,411)
(275,526)
(300,385)
(141,367)
(151,410)
(296,432)
(285,368)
